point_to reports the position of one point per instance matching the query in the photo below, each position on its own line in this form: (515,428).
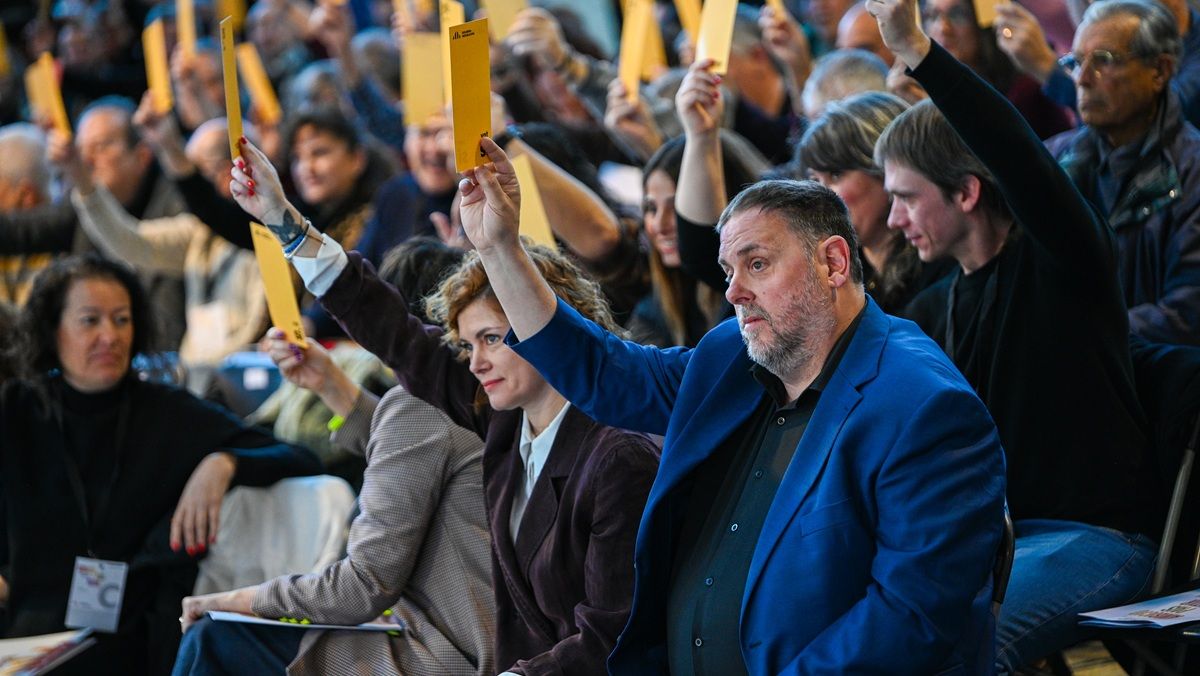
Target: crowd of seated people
(810,326)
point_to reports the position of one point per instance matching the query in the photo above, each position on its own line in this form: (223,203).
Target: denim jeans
(213,648)
(1060,569)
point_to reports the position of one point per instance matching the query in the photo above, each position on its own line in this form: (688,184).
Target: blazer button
(780,420)
(733,528)
(699,642)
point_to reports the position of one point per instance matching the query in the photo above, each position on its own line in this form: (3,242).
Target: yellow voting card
(185,26)
(634,39)
(471,80)
(51,94)
(154,47)
(689,17)
(534,223)
(33,91)
(5,64)
(777,5)
(261,91)
(716,33)
(500,14)
(654,60)
(234,10)
(985,13)
(233,104)
(451,13)
(277,278)
(401,7)
(422,77)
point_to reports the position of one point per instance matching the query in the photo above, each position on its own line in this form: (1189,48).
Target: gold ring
(1007,33)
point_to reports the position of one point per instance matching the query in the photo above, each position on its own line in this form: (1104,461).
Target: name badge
(97,590)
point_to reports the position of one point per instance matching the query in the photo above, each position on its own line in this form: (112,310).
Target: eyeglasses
(958,15)
(1101,61)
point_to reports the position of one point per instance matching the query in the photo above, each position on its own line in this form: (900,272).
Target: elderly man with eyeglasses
(1138,161)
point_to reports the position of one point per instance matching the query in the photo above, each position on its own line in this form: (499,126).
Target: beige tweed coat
(419,547)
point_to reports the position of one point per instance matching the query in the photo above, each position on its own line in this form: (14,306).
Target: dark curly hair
(43,311)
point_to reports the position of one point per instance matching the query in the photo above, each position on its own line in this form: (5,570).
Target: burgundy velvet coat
(563,590)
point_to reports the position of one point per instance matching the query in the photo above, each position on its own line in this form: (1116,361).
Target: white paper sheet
(1161,612)
(222,616)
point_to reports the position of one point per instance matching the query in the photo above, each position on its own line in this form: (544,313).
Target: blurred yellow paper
(401,7)
(471,81)
(51,94)
(185,26)
(233,104)
(500,15)
(689,17)
(5,65)
(154,47)
(534,223)
(233,9)
(277,279)
(422,78)
(634,35)
(451,13)
(985,13)
(654,60)
(777,5)
(262,94)
(716,33)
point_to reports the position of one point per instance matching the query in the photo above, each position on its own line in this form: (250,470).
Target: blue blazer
(876,554)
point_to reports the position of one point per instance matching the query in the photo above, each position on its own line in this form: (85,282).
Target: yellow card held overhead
(51,94)
(777,5)
(471,82)
(277,279)
(985,13)
(261,91)
(450,13)
(500,15)
(154,47)
(716,33)
(654,60)
(185,26)
(689,17)
(422,77)
(534,223)
(232,9)
(233,104)
(634,39)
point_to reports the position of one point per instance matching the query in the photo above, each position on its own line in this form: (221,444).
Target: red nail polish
(242,140)
(250,183)
(252,192)
(174,546)
(191,550)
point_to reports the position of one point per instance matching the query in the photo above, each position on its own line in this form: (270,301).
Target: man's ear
(833,258)
(1164,68)
(966,198)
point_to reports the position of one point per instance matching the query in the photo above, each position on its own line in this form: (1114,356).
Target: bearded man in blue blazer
(831,492)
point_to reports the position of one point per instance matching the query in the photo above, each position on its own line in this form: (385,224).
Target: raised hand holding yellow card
(716,33)
(534,223)
(154,47)
(52,94)
(277,279)
(638,14)
(233,104)
(500,15)
(261,92)
(451,13)
(689,17)
(185,26)
(471,81)
(422,77)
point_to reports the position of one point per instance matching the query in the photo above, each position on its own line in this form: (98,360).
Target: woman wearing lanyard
(102,472)
(563,493)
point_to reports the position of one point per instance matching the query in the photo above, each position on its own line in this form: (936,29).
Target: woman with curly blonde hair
(564,493)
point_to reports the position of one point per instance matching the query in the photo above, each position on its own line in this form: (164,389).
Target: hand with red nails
(698,101)
(255,186)
(491,200)
(198,512)
(236,601)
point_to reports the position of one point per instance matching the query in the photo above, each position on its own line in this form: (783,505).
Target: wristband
(335,423)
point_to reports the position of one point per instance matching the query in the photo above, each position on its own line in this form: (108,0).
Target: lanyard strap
(75,476)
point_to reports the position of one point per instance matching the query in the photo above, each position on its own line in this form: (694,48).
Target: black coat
(167,434)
